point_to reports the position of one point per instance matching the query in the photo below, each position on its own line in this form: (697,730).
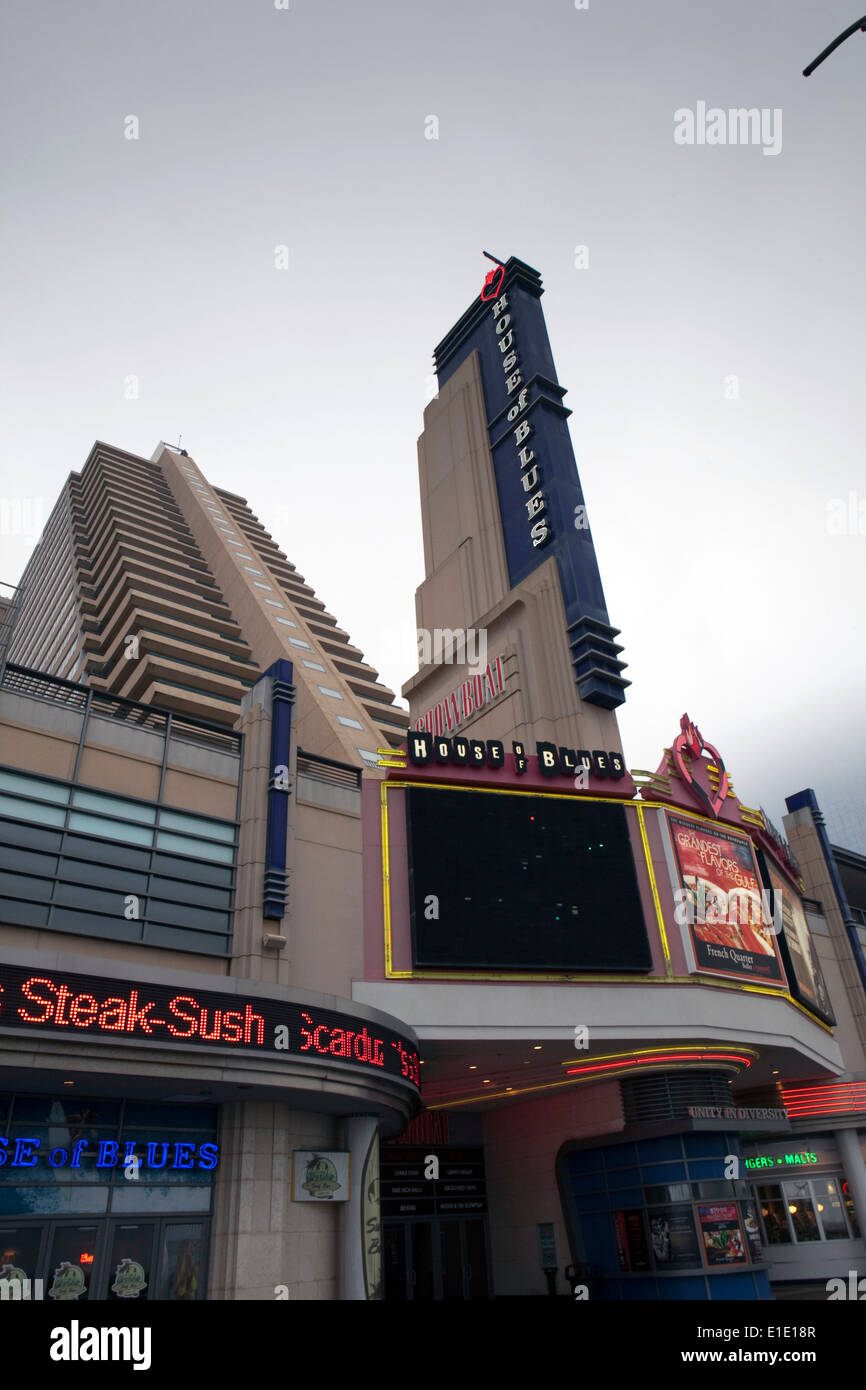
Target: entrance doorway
(443,1258)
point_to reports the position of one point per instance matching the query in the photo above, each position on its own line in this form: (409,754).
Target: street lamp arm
(858,24)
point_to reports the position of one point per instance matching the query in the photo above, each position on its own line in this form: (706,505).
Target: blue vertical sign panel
(276,877)
(541,504)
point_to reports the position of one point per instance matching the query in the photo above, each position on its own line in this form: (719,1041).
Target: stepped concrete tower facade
(509,557)
(150,584)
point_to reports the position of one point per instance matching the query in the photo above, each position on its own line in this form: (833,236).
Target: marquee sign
(424,749)
(27,1153)
(766,1120)
(541,505)
(63,1004)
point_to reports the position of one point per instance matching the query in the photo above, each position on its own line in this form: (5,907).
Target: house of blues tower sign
(541,504)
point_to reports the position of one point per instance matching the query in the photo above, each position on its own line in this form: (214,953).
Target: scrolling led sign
(59,1002)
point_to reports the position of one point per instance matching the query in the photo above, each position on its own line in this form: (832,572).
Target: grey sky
(304,388)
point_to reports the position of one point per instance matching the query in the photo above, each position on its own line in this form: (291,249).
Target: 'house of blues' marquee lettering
(540,518)
(536,504)
(425,749)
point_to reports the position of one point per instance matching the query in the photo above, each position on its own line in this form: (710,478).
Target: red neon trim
(488,282)
(661,1057)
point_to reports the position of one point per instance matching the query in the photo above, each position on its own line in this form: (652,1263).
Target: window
(257,585)
(35,787)
(272,602)
(110,829)
(316,666)
(250,570)
(77,877)
(297,642)
(114,806)
(829,1204)
(197,825)
(810,1210)
(371,758)
(349,723)
(287,622)
(334,694)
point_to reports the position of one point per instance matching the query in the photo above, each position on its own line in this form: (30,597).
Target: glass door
(422,1276)
(475,1247)
(441,1258)
(396,1266)
(182,1260)
(73,1262)
(19,1261)
(451,1269)
(129,1267)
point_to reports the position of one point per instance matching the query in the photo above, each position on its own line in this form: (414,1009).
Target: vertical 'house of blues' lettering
(541,504)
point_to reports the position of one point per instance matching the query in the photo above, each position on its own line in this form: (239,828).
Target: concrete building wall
(261,1238)
(804,841)
(467,587)
(521,1144)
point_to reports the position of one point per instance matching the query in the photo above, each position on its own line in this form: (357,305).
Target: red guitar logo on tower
(493,282)
(690,744)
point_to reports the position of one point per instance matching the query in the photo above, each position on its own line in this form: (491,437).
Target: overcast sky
(712,348)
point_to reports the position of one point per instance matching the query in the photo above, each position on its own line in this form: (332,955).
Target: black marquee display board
(503,881)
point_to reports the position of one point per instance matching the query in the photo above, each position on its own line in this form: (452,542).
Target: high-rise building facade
(150,584)
(190,1102)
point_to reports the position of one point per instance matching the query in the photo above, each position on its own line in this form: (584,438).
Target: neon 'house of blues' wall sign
(541,504)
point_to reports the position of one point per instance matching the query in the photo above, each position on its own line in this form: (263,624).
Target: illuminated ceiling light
(69,1083)
(536,1047)
(820,1206)
(792,1208)
(487,1082)
(473,1066)
(775,1071)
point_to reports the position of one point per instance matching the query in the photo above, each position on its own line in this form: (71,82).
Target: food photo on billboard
(725,918)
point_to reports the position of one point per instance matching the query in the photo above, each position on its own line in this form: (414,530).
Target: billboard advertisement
(722,1234)
(672,1233)
(805,976)
(723,907)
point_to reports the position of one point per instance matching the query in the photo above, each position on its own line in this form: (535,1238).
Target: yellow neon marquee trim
(492,976)
(579,1081)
